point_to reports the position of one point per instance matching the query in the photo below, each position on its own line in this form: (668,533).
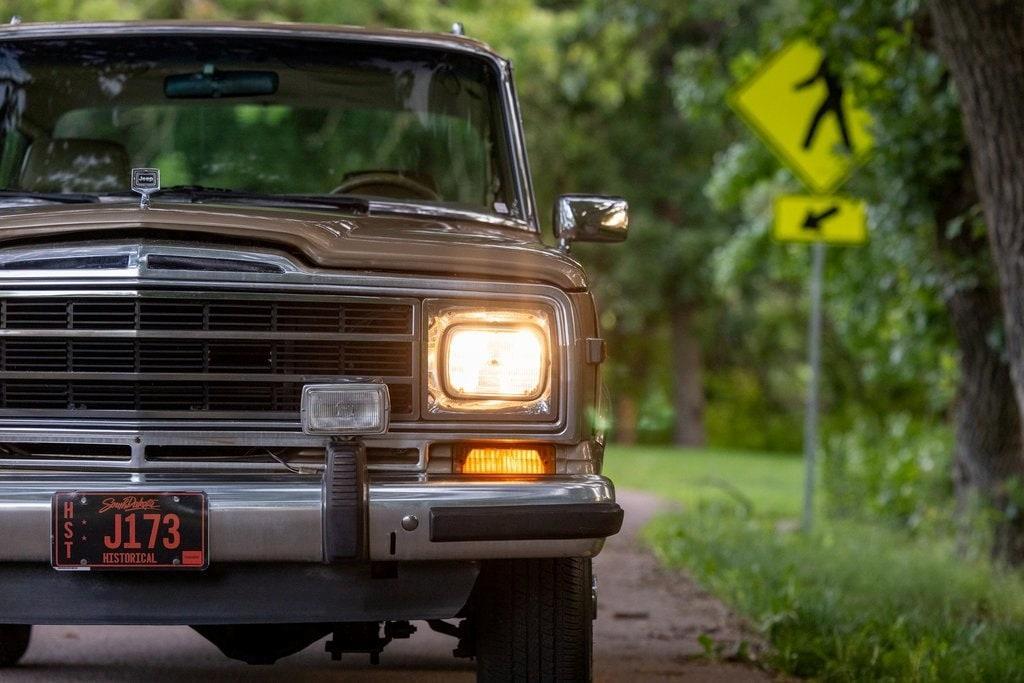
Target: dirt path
(648,628)
(650,619)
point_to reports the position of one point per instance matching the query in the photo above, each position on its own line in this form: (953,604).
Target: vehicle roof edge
(395,35)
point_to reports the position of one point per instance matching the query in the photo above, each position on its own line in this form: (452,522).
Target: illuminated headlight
(353,409)
(495,362)
(490,360)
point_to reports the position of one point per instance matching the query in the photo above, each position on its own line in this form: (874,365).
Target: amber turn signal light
(504,459)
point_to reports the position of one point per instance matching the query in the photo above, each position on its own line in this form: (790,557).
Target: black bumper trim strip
(525,522)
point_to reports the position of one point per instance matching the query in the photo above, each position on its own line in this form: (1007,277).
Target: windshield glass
(259,115)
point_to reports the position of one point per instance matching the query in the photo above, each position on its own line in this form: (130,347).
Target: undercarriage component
(463,631)
(267,643)
(364,637)
(262,643)
(14,640)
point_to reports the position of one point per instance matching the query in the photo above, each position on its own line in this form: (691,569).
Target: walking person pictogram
(833,104)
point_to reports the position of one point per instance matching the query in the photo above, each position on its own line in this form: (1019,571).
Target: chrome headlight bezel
(442,317)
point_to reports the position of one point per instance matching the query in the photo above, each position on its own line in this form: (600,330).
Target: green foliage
(890,357)
(894,467)
(741,415)
(888,346)
(854,600)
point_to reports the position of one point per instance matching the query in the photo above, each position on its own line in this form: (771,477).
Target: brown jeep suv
(282,353)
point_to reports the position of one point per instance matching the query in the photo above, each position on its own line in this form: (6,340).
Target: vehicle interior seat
(75,165)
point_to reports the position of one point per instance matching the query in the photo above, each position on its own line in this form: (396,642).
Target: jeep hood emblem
(145,181)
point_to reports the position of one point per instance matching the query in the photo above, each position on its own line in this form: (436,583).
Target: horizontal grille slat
(166,396)
(194,355)
(152,356)
(166,313)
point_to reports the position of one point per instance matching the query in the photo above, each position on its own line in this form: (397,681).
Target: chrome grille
(197,354)
(250,315)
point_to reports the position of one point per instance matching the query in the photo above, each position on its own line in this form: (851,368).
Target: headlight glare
(498,362)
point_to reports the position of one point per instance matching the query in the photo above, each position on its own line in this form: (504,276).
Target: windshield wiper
(62,197)
(201,193)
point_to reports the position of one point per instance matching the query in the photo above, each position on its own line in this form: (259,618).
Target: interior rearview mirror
(590,218)
(210,84)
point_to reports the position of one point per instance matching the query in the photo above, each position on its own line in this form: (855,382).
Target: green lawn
(770,483)
(853,601)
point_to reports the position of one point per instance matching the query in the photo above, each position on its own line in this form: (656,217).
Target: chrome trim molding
(379,207)
(278,518)
(252,519)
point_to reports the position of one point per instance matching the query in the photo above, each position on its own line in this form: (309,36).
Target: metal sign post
(814,360)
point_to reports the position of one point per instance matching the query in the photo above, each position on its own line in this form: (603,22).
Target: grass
(767,483)
(854,600)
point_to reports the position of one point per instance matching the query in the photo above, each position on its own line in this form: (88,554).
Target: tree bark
(986,420)
(624,426)
(688,387)
(982,42)
(987,452)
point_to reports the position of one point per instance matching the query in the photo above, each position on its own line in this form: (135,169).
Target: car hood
(385,243)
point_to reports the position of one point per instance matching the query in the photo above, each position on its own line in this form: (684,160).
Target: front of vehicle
(323,372)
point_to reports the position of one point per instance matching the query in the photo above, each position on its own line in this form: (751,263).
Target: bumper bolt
(410,522)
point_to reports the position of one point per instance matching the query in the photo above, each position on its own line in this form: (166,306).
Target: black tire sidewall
(533,620)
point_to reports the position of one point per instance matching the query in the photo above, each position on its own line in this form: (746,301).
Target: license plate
(119,530)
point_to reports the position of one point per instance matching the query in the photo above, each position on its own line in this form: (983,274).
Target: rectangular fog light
(351,409)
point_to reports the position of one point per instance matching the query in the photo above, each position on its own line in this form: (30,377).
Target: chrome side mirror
(590,218)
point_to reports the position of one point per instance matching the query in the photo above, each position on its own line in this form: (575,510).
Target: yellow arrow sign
(800,109)
(814,218)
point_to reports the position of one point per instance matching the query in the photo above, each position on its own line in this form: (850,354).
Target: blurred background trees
(704,314)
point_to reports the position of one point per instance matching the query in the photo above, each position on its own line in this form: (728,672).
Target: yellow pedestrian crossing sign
(797,104)
(820,218)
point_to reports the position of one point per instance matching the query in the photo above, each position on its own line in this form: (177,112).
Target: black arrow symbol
(813,221)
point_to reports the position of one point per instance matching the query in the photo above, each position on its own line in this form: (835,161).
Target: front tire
(14,640)
(533,620)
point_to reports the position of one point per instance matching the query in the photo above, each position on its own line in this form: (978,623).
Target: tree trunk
(624,427)
(688,388)
(986,420)
(983,44)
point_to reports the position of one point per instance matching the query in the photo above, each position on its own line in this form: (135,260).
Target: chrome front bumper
(280,517)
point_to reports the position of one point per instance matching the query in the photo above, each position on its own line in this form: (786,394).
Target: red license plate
(118,530)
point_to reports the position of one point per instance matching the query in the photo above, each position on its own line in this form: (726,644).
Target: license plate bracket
(130,530)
